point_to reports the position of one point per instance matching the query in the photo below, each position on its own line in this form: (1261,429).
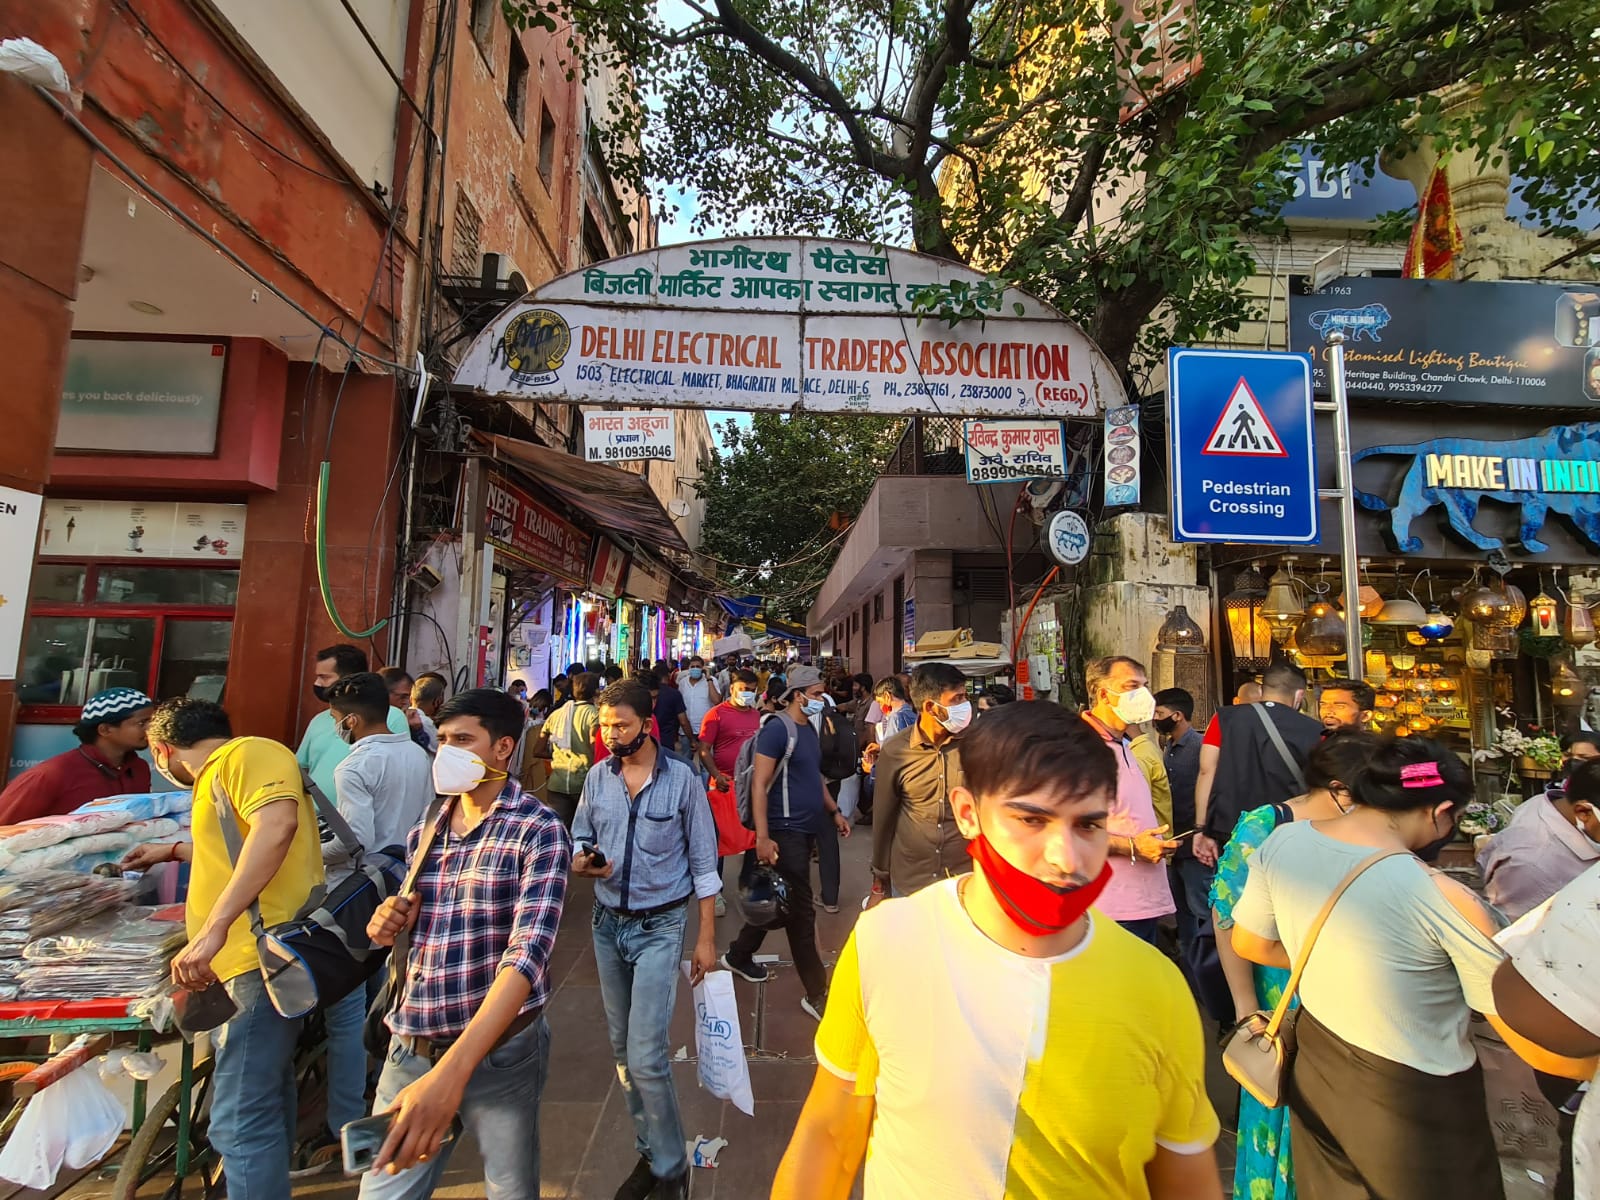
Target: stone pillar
(44,195)
(1493,246)
(1134,576)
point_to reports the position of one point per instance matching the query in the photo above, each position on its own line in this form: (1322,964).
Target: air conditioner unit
(500,271)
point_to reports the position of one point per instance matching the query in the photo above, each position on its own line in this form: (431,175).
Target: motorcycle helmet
(764,896)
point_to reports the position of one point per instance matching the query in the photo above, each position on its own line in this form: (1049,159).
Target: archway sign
(790,323)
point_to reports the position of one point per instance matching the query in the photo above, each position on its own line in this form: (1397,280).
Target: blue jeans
(254,1105)
(500,1108)
(638,959)
(347,1055)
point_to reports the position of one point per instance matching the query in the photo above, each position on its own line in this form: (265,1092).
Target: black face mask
(1165,724)
(629,749)
(320,692)
(1430,853)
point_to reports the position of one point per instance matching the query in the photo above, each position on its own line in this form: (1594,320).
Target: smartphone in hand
(596,859)
(362,1139)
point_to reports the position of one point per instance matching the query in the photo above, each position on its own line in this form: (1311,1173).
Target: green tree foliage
(772,497)
(849,117)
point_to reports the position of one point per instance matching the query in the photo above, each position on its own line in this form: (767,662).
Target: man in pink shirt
(1138,895)
(728,726)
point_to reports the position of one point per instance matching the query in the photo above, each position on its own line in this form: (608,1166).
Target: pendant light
(1578,628)
(1486,605)
(1543,615)
(1566,687)
(1282,605)
(1519,605)
(1180,634)
(1322,632)
(1368,601)
(1248,629)
(1402,610)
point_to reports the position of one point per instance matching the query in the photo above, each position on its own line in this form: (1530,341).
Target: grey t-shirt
(1396,970)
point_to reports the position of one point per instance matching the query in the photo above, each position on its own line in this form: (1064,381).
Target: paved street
(588,1139)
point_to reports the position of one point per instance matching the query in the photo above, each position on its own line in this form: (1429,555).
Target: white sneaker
(722,907)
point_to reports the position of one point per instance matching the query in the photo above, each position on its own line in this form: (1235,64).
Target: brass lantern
(1282,605)
(1543,615)
(1486,606)
(1179,633)
(1322,632)
(1578,628)
(1248,628)
(1566,688)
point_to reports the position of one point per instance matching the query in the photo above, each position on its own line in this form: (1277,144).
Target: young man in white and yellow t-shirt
(992,1037)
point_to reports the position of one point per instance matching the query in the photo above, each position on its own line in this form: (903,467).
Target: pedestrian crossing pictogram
(1243,429)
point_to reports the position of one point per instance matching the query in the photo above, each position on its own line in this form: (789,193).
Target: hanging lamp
(1578,628)
(1249,631)
(1180,634)
(1544,615)
(1282,605)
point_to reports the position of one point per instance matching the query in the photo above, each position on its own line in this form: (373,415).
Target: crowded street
(648,599)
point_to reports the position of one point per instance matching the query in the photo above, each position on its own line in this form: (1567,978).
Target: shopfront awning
(617,500)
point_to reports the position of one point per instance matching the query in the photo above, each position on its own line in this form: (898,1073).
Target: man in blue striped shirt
(647,815)
(469,1031)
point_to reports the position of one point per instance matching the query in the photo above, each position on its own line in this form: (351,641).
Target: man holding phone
(469,1034)
(650,846)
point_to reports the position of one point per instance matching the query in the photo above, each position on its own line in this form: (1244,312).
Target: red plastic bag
(732,837)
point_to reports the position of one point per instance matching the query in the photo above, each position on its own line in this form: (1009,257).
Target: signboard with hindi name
(629,436)
(1015,451)
(791,323)
(520,528)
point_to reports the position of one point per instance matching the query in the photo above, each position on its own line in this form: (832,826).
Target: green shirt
(322,749)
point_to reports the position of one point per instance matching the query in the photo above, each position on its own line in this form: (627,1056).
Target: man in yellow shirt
(1048,1054)
(253,1100)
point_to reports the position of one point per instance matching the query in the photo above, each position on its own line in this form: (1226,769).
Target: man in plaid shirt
(469,1035)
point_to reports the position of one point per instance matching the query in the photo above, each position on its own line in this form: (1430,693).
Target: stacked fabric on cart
(48,903)
(97,833)
(125,952)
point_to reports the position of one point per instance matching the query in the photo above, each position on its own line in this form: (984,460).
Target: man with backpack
(841,758)
(781,772)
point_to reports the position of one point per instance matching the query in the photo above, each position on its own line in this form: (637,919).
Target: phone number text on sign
(629,436)
(630,453)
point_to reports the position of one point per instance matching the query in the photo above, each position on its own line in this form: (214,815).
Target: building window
(517,86)
(483,12)
(165,630)
(547,147)
(877,608)
(465,247)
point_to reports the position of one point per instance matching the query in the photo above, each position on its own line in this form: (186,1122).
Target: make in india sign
(786,323)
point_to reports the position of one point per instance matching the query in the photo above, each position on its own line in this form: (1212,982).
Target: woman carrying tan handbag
(1384,1091)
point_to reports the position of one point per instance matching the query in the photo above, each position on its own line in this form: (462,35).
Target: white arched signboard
(787,323)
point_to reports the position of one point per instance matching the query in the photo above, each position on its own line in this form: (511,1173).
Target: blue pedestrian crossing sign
(1243,443)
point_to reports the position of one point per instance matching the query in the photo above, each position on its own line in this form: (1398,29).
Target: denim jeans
(1191,892)
(500,1109)
(347,1055)
(254,1106)
(638,960)
(1144,928)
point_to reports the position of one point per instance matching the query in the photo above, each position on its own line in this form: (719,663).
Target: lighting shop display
(1249,631)
(1543,615)
(1282,605)
(1180,633)
(1322,632)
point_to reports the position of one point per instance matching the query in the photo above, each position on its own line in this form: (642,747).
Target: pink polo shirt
(1138,890)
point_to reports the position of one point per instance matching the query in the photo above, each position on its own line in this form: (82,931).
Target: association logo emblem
(1369,319)
(533,347)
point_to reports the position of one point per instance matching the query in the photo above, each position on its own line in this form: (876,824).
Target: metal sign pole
(1340,407)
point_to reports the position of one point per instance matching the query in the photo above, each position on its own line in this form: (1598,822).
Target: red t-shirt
(726,728)
(1213,733)
(68,781)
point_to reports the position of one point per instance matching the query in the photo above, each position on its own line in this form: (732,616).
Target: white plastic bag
(73,1122)
(719,1044)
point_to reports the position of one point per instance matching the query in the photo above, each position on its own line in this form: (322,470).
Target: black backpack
(841,750)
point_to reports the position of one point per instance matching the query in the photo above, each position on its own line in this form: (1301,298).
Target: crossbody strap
(234,841)
(1278,744)
(1293,986)
(401,951)
(333,818)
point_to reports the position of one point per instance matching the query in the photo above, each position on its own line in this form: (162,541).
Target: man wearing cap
(107,763)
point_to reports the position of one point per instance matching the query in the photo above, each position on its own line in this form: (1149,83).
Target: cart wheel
(143,1149)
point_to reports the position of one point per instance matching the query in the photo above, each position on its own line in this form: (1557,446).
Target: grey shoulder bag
(1279,745)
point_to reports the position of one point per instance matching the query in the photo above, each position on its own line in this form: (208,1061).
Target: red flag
(1435,238)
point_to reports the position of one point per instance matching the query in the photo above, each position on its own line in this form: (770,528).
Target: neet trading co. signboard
(789,323)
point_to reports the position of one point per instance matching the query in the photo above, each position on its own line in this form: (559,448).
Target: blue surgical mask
(813,707)
(695,672)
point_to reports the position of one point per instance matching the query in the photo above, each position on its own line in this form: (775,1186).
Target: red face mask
(1034,906)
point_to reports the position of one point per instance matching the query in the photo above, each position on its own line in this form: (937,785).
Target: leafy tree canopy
(1001,133)
(772,496)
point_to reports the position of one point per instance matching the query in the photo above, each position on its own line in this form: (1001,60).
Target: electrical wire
(217,243)
(342,180)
